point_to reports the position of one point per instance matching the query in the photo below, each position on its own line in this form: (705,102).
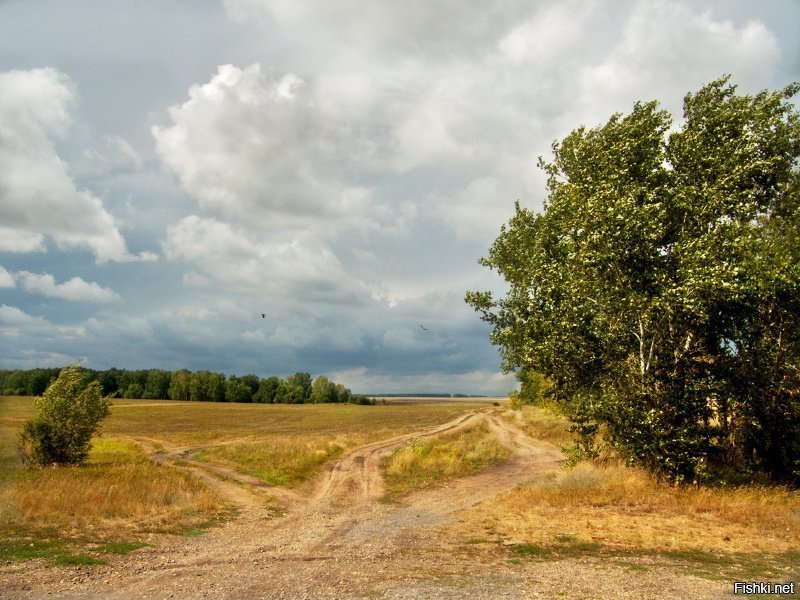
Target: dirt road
(337,540)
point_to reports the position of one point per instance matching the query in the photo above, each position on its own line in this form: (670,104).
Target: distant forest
(202,386)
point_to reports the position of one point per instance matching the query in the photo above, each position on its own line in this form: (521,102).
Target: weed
(119,547)
(29,548)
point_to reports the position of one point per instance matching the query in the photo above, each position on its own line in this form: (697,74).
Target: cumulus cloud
(401,27)
(16,240)
(16,323)
(6,279)
(255,147)
(463,126)
(37,194)
(75,289)
(665,46)
(297,268)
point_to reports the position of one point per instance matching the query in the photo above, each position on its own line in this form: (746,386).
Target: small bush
(70,411)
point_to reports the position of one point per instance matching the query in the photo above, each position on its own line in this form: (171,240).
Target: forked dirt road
(338,540)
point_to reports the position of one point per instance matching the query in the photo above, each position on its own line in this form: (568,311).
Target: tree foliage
(659,290)
(323,390)
(69,414)
(197,386)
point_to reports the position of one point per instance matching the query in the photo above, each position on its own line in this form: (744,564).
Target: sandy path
(337,541)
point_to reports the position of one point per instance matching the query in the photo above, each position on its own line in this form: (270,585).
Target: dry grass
(122,493)
(541,424)
(456,454)
(626,516)
(118,492)
(281,460)
(624,508)
(282,444)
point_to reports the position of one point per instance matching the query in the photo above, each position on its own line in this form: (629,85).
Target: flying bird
(263,316)
(424,328)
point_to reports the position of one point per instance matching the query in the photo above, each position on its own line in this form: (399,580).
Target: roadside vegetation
(109,505)
(604,509)
(286,460)
(423,463)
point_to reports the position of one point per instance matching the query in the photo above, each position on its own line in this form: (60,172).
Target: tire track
(361,468)
(338,528)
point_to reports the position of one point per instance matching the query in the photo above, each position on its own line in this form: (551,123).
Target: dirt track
(337,540)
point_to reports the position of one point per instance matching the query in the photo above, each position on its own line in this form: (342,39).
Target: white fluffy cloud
(397,28)
(669,46)
(298,268)
(257,148)
(478,91)
(37,195)
(20,240)
(75,289)
(6,279)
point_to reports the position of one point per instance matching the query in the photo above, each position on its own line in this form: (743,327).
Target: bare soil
(337,538)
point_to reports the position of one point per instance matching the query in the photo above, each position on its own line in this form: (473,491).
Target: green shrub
(69,414)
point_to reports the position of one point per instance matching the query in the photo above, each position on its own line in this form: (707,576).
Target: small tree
(69,414)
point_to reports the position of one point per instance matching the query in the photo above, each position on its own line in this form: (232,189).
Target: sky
(170,170)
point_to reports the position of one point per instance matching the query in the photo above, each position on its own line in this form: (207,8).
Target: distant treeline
(202,386)
(428,395)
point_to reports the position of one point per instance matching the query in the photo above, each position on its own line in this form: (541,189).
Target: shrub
(69,414)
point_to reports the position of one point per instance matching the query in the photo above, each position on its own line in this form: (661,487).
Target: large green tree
(659,289)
